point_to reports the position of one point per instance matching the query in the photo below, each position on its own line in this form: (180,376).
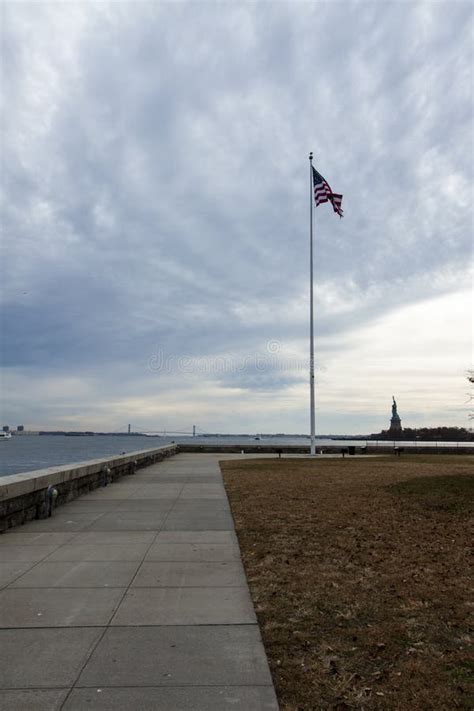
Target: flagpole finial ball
(311,156)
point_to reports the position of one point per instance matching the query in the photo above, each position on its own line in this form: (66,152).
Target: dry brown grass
(359,573)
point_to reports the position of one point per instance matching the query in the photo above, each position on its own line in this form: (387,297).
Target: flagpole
(311,308)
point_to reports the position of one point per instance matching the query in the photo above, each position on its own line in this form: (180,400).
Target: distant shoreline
(432,434)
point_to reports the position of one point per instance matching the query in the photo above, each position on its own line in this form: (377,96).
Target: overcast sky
(155,182)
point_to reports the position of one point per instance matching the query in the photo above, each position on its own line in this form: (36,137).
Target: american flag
(323,193)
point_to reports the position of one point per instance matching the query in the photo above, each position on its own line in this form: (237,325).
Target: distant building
(20,428)
(395,421)
(6,428)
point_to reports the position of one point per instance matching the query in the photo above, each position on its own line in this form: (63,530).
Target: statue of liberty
(395,422)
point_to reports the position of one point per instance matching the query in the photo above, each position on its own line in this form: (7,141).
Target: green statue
(394,407)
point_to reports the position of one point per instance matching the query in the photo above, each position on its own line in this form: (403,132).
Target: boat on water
(5,435)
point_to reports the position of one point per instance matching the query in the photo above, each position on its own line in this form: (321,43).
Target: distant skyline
(155,184)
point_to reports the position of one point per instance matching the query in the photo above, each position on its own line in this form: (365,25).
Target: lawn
(359,572)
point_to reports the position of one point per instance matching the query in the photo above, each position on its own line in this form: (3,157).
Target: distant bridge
(132,429)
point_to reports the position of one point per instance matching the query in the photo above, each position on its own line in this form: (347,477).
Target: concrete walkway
(132,597)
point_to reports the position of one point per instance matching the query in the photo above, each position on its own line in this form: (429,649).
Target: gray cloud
(155,177)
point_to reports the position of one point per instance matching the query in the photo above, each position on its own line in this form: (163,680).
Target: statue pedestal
(395,426)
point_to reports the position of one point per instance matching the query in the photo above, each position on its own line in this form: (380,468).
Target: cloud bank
(155,201)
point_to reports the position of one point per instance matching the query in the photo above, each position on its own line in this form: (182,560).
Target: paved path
(132,597)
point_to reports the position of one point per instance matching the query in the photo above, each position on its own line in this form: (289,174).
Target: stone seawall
(24,497)
(241,448)
(361,448)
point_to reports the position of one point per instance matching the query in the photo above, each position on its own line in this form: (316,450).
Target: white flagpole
(311,314)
